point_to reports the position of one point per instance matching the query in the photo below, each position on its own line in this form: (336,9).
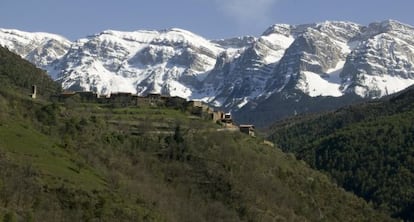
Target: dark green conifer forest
(366,148)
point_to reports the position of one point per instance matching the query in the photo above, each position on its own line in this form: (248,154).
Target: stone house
(121,99)
(104,99)
(227,118)
(175,102)
(155,99)
(88,96)
(142,101)
(65,95)
(199,107)
(247,129)
(217,116)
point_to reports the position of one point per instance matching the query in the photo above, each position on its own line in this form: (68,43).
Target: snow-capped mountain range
(323,59)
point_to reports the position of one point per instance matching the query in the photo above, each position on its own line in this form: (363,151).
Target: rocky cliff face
(171,61)
(241,74)
(325,59)
(382,61)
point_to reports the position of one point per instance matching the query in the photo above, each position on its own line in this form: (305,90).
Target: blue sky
(212,19)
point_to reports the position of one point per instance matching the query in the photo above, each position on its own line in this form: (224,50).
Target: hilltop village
(124,99)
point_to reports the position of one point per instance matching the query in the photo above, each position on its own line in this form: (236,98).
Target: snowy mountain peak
(185,34)
(235,43)
(171,61)
(394,25)
(23,43)
(283,29)
(331,58)
(29,36)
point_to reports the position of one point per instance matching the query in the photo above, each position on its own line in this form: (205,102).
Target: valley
(80,161)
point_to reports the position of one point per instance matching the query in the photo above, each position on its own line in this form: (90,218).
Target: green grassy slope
(196,173)
(86,162)
(367,148)
(57,165)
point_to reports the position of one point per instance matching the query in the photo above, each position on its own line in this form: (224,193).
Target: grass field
(58,166)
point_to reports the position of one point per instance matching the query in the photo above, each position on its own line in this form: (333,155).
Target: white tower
(34,91)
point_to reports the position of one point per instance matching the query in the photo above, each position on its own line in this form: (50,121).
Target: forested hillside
(19,75)
(367,148)
(76,161)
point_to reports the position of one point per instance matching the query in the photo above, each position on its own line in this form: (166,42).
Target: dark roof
(246,126)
